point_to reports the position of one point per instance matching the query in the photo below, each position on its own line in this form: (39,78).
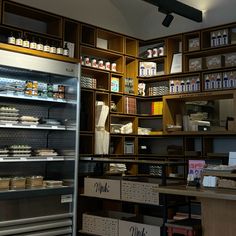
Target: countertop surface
(225,194)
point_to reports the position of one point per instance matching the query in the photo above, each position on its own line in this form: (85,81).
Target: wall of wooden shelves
(127,52)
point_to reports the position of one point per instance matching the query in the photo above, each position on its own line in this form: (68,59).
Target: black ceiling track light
(172,6)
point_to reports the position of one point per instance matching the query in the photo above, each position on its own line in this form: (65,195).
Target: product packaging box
(149,226)
(214,62)
(195,64)
(230,59)
(102,188)
(115,84)
(103,223)
(140,192)
(193,44)
(147,69)
(102,43)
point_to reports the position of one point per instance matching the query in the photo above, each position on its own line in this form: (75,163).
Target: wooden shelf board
(18,49)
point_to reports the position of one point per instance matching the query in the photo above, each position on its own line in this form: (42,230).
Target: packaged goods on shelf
(214,62)
(141,89)
(193,44)
(103,223)
(157,108)
(4,183)
(88,82)
(129,85)
(230,59)
(101,114)
(103,188)
(115,84)
(147,69)
(115,168)
(219,38)
(144,131)
(17,183)
(102,138)
(195,64)
(136,226)
(53,183)
(34,182)
(130,105)
(213,81)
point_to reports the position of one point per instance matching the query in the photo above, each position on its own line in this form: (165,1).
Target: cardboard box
(214,62)
(149,226)
(230,59)
(104,223)
(102,188)
(140,192)
(115,84)
(193,44)
(195,64)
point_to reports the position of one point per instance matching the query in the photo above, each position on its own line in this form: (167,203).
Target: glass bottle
(26,42)
(11,39)
(33,44)
(66,50)
(46,47)
(39,45)
(19,40)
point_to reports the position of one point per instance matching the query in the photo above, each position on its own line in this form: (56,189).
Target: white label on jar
(11,40)
(65,52)
(113,66)
(107,65)
(19,42)
(26,44)
(60,51)
(33,45)
(53,50)
(86,61)
(40,47)
(46,48)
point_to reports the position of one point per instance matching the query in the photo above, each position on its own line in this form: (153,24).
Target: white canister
(155,52)
(149,53)
(107,65)
(100,64)
(53,49)
(113,66)
(161,51)
(94,62)
(11,40)
(86,61)
(60,51)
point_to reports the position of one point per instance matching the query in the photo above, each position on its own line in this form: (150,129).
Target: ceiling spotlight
(168,19)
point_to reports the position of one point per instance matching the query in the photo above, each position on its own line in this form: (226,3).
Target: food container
(4,183)
(34,181)
(214,62)
(94,62)
(53,183)
(100,64)
(195,64)
(155,52)
(17,183)
(149,53)
(113,66)
(107,65)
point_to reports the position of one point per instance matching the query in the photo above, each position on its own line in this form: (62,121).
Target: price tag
(8,125)
(66,198)
(54,127)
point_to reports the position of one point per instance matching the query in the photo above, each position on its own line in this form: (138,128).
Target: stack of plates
(29,120)
(9,115)
(20,151)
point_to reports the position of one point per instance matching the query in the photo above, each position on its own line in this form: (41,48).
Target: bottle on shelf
(225,37)
(46,47)
(11,39)
(60,50)
(33,44)
(19,40)
(53,49)
(39,45)
(26,43)
(66,50)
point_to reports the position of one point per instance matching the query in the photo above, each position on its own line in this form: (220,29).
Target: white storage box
(140,192)
(102,188)
(105,224)
(150,226)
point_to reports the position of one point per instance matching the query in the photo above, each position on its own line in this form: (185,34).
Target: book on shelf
(157,108)
(130,105)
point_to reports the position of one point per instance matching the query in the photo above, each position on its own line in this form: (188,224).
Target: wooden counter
(218,208)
